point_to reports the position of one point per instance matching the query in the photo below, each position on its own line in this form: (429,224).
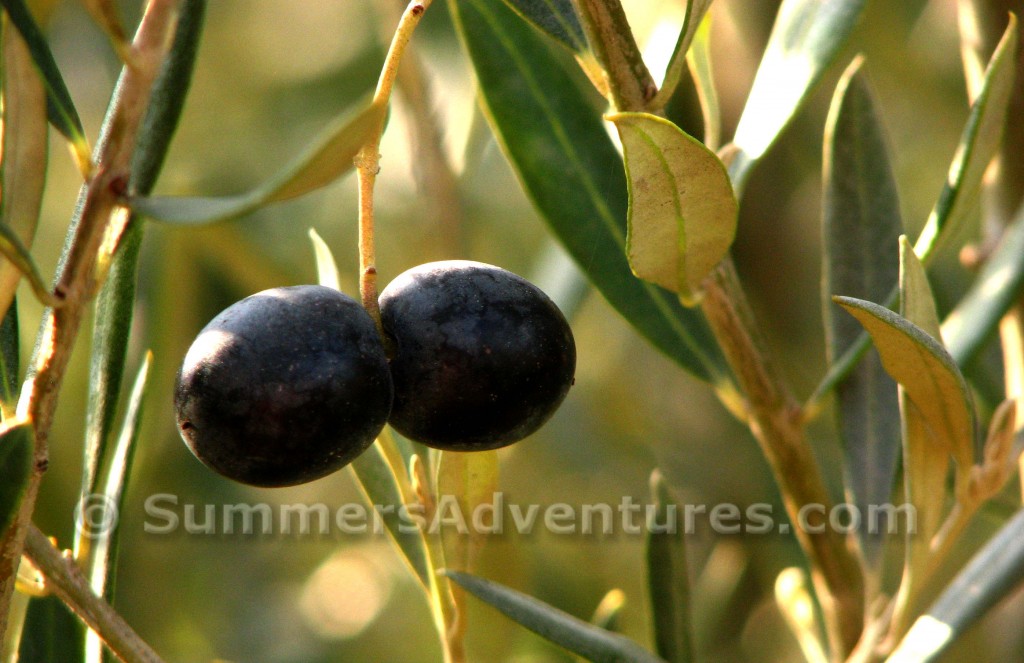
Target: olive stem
(67,581)
(367,161)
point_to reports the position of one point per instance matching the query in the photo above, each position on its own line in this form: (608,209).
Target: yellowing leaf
(927,373)
(682,209)
(470,480)
(917,303)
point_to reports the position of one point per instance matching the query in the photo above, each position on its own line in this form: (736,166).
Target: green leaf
(976,316)
(167,99)
(699,57)
(16,448)
(51,633)
(326,268)
(23,165)
(668,578)
(861,226)
(103,544)
(692,22)
(807,37)
(925,370)
(10,358)
(323,162)
(979,143)
(380,484)
(575,635)
(993,572)
(60,107)
(115,302)
(19,257)
(557,18)
(682,211)
(570,169)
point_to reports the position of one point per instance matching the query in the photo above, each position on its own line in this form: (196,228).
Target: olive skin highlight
(284,387)
(482,357)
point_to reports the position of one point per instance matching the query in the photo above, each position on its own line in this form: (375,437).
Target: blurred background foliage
(270,75)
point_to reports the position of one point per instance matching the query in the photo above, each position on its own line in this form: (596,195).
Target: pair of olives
(293,383)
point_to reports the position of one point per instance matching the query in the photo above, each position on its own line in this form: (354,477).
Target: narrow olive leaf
(325,161)
(682,210)
(806,39)
(927,373)
(112,488)
(326,268)
(699,58)
(167,99)
(60,107)
(695,13)
(23,165)
(10,360)
(379,484)
(925,459)
(104,540)
(795,602)
(975,319)
(536,102)
(979,143)
(17,253)
(468,483)
(993,573)
(925,480)
(606,614)
(558,18)
(468,480)
(115,302)
(917,303)
(561,628)
(860,228)
(668,578)
(16,446)
(51,633)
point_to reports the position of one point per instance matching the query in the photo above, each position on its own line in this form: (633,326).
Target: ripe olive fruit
(284,387)
(482,357)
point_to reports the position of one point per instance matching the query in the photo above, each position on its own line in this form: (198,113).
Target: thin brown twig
(69,583)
